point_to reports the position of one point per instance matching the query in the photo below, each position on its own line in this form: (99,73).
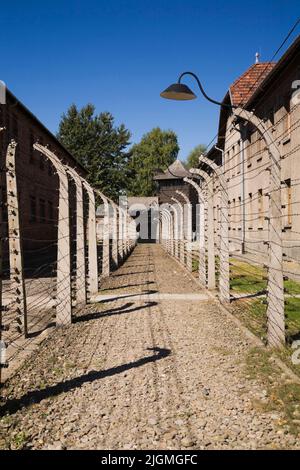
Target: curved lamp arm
(225,105)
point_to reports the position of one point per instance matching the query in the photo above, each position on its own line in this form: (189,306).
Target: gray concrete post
(63,294)
(80,239)
(115,234)
(105,241)
(211,268)
(202,255)
(92,272)
(224,279)
(181,229)
(14,240)
(275,287)
(188,230)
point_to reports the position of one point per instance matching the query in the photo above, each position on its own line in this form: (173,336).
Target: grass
(195,265)
(247,278)
(250,279)
(283,397)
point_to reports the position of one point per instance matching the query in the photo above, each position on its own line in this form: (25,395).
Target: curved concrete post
(80,242)
(121,234)
(176,230)
(224,279)
(92,271)
(166,231)
(211,260)
(202,257)
(188,229)
(128,244)
(114,233)
(170,230)
(275,288)
(181,229)
(17,281)
(63,291)
(124,231)
(105,246)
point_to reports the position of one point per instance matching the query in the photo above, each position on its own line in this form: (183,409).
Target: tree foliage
(192,160)
(156,151)
(99,145)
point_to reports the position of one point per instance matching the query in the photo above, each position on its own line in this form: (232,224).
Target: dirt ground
(143,373)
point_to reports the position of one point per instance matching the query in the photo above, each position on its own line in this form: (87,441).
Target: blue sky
(119,54)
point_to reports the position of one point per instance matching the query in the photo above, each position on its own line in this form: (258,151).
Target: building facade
(37,181)
(172,180)
(270,90)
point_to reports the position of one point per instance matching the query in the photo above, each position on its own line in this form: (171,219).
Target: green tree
(192,160)
(99,145)
(156,151)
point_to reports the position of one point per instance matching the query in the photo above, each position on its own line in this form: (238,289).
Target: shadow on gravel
(121,297)
(114,311)
(131,285)
(138,266)
(132,273)
(36,396)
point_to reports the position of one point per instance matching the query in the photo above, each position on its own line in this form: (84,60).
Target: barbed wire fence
(245,232)
(48,273)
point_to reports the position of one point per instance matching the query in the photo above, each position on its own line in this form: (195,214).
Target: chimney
(257,56)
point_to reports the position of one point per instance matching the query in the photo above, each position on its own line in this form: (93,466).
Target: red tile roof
(244,87)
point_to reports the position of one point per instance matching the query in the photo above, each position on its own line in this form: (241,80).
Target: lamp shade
(179,92)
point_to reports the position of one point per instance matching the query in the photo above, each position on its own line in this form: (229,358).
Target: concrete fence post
(63,294)
(176,230)
(81,296)
(211,267)
(224,279)
(188,230)
(115,235)
(105,236)
(275,287)
(202,255)
(92,271)
(14,239)
(181,229)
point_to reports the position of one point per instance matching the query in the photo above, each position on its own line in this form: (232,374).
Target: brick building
(36,179)
(171,180)
(268,89)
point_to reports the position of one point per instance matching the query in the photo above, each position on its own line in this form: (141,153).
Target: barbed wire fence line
(264,275)
(46,280)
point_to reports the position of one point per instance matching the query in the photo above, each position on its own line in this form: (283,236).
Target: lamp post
(275,308)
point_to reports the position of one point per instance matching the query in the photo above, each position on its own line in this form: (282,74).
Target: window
(249,149)
(50,211)
(259,147)
(233,163)
(32,217)
(250,213)
(238,156)
(287,203)
(42,210)
(240,213)
(286,131)
(227,163)
(260,203)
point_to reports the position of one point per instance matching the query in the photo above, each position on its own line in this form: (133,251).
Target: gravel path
(142,374)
